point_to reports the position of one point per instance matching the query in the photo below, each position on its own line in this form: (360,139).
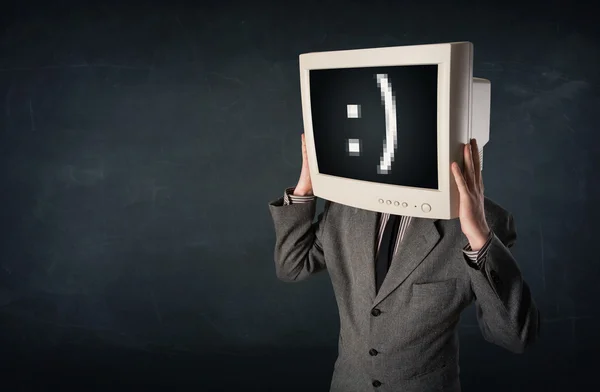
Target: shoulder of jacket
(494,212)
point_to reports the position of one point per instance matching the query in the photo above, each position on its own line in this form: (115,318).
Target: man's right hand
(304,186)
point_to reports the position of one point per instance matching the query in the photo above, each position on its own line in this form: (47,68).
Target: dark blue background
(415,98)
(140,145)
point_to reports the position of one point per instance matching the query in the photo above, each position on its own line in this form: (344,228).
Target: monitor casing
(463,112)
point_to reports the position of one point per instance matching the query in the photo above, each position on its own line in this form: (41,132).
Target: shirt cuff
(289,198)
(478,256)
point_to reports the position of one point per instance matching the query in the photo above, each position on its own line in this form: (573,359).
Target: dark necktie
(386,249)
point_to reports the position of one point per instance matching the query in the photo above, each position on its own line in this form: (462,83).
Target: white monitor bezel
(455,75)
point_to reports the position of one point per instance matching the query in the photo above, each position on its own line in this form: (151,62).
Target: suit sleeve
(298,240)
(506,312)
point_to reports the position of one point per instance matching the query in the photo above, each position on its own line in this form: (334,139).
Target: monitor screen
(377,124)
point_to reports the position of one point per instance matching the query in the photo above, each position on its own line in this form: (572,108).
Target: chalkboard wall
(140,146)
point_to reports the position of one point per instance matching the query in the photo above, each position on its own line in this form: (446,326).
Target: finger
(460,179)
(468,172)
(303,147)
(305,166)
(476,163)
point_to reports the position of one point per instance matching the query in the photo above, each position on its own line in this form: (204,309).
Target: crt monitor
(383,125)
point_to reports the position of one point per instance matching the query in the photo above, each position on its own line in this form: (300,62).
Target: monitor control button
(380,200)
(396,203)
(425,207)
(405,204)
(389,202)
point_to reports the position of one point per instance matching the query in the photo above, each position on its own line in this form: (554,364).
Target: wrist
(478,240)
(302,191)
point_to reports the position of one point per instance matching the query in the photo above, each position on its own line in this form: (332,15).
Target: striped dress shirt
(476,257)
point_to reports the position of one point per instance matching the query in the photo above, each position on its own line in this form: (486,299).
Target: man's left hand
(470,186)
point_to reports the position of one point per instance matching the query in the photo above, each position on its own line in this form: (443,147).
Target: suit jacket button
(373,352)
(375,312)
(376,383)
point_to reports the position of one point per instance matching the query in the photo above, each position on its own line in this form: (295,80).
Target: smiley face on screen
(390,144)
(377,124)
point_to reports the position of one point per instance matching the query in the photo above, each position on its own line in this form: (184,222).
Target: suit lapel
(420,238)
(363,247)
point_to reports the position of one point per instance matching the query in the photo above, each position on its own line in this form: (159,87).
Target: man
(401,283)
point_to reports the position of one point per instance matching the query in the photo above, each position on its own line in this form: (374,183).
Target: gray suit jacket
(412,321)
